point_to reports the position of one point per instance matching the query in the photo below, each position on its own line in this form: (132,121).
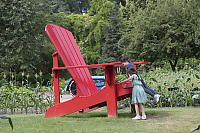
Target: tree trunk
(173,65)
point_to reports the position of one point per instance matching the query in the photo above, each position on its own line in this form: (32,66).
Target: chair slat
(70,54)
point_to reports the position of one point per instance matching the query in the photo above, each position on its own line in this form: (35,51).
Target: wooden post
(111,97)
(56,78)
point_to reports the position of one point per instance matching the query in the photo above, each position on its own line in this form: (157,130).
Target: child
(138,94)
(148,90)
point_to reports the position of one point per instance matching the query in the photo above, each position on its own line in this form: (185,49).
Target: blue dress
(138,93)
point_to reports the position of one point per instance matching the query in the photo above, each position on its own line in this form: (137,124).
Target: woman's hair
(131,70)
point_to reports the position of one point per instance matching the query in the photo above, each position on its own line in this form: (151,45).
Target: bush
(186,90)
(186,80)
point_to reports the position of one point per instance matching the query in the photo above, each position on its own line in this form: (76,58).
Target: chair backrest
(70,54)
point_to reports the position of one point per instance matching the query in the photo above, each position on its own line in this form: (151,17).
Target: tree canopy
(163,31)
(22,26)
(105,30)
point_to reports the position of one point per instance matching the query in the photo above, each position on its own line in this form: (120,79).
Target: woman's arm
(130,78)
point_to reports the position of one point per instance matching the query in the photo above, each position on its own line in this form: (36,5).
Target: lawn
(159,120)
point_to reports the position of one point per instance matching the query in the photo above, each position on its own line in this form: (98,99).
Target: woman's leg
(142,109)
(137,117)
(132,106)
(137,109)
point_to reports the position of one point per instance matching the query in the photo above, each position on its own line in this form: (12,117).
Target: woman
(138,94)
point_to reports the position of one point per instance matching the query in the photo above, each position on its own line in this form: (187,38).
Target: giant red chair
(88,97)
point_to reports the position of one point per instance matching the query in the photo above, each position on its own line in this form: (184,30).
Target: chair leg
(112,107)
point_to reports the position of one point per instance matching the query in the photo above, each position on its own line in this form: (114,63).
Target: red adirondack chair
(88,97)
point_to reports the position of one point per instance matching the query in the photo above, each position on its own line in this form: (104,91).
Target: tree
(22,29)
(165,30)
(109,50)
(99,13)
(66,6)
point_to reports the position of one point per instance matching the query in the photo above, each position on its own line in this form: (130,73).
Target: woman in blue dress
(138,93)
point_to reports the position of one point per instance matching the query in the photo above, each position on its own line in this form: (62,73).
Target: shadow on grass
(88,115)
(155,114)
(151,114)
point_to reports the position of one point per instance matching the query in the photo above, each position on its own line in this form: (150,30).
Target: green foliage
(24,99)
(121,77)
(139,29)
(38,98)
(185,80)
(109,50)
(94,32)
(161,81)
(66,6)
(103,33)
(77,24)
(164,28)
(22,25)
(74,23)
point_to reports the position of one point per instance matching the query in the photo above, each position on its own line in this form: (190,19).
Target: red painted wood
(56,79)
(96,65)
(76,104)
(137,63)
(88,66)
(74,54)
(88,98)
(68,50)
(83,102)
(111,96)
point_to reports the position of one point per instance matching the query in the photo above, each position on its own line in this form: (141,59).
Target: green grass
(159,120)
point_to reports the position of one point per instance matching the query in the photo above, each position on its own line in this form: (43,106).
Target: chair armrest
(89,66)
(95,65)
